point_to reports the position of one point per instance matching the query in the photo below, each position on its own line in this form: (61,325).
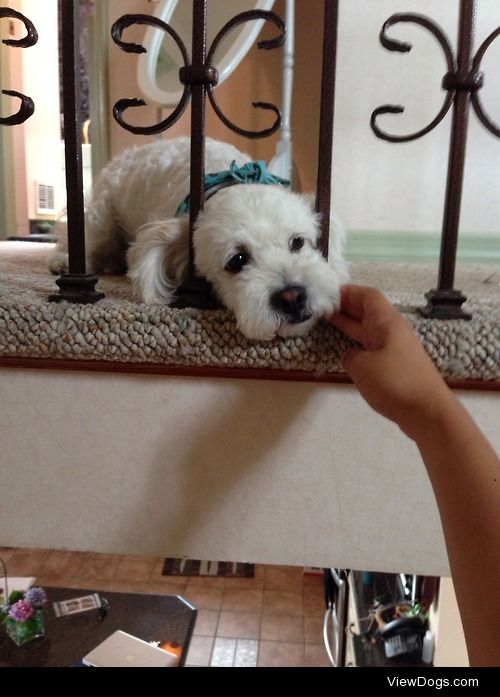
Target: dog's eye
(296,243)
(237,262)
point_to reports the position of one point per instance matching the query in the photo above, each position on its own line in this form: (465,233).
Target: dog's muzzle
(291,303)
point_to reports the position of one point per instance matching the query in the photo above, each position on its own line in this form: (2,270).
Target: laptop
(122,650)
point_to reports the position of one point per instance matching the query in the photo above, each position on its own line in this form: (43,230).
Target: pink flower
(21,611)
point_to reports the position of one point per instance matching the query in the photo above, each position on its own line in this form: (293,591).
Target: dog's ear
(158,259)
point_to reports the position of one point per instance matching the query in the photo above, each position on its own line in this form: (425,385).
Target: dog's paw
(58,263)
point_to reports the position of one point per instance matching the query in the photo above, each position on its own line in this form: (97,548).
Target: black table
(164,618)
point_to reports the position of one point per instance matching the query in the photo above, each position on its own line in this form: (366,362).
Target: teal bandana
(252,173)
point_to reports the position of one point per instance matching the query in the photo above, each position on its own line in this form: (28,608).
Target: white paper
(16,583)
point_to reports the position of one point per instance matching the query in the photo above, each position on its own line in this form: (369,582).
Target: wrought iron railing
(462,83)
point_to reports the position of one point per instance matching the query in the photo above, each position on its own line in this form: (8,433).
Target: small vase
(22,632)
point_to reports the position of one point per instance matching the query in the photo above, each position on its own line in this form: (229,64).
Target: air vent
(45,201)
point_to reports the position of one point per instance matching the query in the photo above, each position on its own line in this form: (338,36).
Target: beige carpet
(118,329)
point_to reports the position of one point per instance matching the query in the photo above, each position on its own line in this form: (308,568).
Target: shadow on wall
(216,458)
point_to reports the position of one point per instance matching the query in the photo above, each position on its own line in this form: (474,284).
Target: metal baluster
(324,178)
(76,286)
(197,291)
(444,302)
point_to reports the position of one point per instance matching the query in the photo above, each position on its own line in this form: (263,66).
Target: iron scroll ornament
(116,33)
(403,47)
(277,42)
(476,103)
(453,80)
(27,106)
(195,74)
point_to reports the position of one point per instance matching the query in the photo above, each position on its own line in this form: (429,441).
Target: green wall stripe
(378,245)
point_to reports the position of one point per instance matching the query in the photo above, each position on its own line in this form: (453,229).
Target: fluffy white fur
(130,224)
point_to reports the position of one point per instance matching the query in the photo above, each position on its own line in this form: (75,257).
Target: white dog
(256,243)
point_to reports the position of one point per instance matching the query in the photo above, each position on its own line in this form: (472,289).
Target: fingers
(358,301)
(355,307)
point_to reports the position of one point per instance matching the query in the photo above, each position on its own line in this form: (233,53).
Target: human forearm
(465,474)
(398,379)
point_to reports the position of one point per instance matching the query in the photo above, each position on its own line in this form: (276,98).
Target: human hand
(392,371)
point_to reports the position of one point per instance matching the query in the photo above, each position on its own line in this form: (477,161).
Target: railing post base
(444,304)
(196,292)
(77,288)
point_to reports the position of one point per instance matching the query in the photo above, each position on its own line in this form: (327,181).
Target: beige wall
(276,472)
(35,72)
(401,186)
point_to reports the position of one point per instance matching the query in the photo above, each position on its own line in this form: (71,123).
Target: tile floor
(273,619)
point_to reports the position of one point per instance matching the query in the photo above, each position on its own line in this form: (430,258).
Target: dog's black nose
(290,300)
